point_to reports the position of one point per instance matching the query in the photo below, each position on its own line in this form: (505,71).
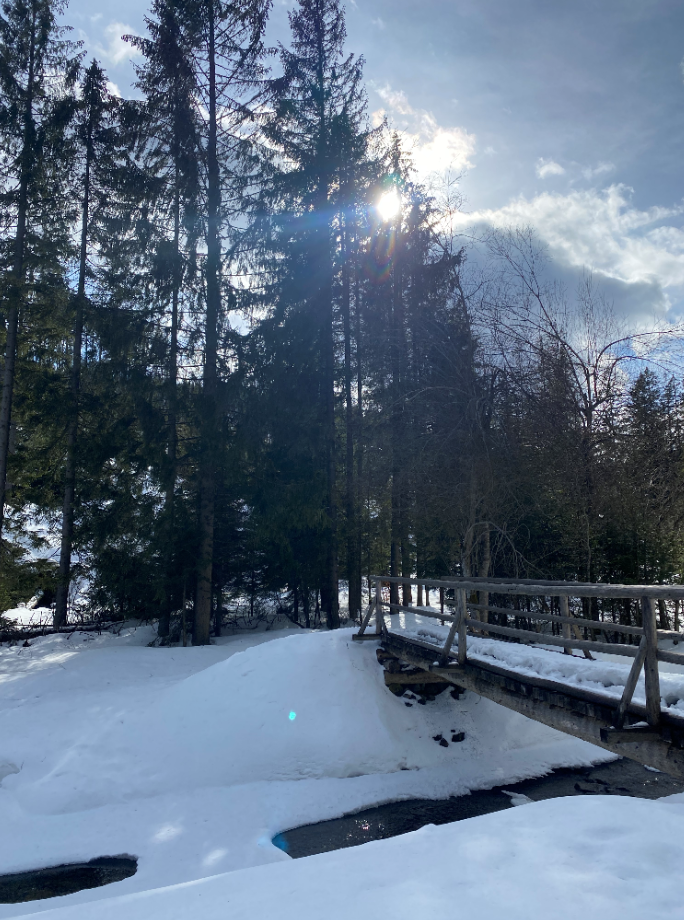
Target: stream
(619,777)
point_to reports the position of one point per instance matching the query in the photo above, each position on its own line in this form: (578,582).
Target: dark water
(621,777)
(60,880)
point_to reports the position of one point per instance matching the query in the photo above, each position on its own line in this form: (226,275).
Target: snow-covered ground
(193,759)
(598,858)
(28,616)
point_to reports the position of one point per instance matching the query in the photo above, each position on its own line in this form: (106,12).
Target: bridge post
(444,657)
(462,626)
(379,616)
(564,608)
(651,676)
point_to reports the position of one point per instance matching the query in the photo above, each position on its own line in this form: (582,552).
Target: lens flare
(292,716)
(389,205)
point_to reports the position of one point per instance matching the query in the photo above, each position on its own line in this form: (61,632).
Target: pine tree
(232,52)
(38,68)
(97,139)
(318,116)
(169,149)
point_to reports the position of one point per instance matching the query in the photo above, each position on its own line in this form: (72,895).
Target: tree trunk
(353,559)
(359,426)
(483,571)
(662,612)
(397,417)
(172,442)
(218,609)
(307,605)
(62,598)
(330,587)
(202,623)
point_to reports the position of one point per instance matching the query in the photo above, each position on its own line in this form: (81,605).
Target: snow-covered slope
(193,759)
(305,706)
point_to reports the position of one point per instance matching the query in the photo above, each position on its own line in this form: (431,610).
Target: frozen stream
(619,777)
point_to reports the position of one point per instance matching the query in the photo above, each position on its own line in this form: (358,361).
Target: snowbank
(600,858)
(303,707)
(193,759)
(28,616)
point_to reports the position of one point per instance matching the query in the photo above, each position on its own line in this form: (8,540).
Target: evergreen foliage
(232,373)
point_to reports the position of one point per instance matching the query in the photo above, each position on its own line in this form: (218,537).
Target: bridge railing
(462,622)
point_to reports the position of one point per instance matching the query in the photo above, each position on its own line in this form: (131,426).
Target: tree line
(244,353)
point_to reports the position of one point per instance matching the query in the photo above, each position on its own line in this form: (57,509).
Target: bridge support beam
(584,715)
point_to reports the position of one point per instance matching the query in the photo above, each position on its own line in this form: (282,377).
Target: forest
(249,354)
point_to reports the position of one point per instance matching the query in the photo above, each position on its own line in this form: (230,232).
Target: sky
(567,116)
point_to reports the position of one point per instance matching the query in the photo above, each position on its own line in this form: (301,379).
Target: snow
(194,759)
(599,858)
(28,616)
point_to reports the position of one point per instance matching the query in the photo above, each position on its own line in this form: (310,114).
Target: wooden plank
(585,701)
(379,618)
(462,627)
(455,622)
(631,682)
(546,589)
(366,620)
(564,618)
(632,735)
(368,637)
(671,657)
(628,651)
(600,625)
(409,680)
(651,676)
(399,608)
(587,653)
(433,648)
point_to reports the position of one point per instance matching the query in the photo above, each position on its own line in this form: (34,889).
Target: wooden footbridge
(553,616)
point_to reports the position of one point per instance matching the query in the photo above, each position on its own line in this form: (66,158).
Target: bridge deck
(604,702)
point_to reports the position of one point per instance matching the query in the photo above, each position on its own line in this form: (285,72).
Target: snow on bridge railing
(646,654)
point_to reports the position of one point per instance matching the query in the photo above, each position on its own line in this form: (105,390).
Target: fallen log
(19,635)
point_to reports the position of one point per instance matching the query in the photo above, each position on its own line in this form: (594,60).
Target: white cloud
(546,168)
(433,147)
(591,172)
(600,231)
(116,49)
(380,23)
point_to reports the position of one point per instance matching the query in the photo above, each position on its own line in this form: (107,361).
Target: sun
(389,205)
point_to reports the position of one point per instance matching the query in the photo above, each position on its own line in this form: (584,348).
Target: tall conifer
(38,68)
(318,108)
(96,140)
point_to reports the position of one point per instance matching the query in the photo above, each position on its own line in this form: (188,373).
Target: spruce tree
(169,150)
(318,117)
(96,138)
(228,61)
(38,68)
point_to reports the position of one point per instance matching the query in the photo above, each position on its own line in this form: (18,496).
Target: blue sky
(567,115)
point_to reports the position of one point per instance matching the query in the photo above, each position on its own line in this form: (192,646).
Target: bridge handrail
(559,588)
(646,655)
